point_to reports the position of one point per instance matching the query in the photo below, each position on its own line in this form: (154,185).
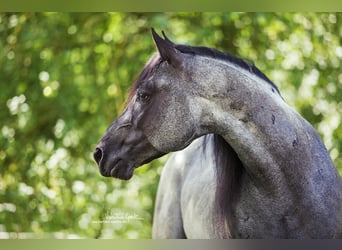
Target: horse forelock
(144,75)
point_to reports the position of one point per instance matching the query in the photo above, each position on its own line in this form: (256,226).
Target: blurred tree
(64,78)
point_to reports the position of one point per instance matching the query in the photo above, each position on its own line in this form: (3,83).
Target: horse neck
(253,118)
(279,156)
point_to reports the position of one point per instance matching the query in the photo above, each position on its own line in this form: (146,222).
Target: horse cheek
(171,128)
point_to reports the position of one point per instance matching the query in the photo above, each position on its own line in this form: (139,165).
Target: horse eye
(143,97)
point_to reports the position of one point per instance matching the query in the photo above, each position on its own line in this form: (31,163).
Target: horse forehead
(162,81)
(166,76)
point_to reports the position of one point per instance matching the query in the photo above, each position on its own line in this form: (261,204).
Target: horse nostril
(98,155)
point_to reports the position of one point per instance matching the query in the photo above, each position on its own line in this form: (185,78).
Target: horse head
(156,119)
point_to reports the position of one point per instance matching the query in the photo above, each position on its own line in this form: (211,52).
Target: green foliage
(64,77)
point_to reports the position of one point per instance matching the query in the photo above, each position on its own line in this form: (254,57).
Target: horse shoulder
(181,211)
(198,191)
(167,218)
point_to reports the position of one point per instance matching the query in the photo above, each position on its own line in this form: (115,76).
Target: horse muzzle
(115,167)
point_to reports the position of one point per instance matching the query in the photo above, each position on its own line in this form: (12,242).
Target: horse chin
(122,171)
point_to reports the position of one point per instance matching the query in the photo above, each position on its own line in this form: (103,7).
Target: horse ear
(167,39)
(167,50)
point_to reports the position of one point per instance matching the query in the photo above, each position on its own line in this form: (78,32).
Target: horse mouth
(122,170)
(121,166)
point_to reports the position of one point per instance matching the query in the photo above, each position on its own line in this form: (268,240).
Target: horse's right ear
(167,50)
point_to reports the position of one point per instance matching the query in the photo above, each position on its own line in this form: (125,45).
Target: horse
(246,164)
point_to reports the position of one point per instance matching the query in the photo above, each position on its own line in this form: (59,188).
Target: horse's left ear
(167,50)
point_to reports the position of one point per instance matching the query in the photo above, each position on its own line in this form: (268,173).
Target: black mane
(228,171)
(224,56)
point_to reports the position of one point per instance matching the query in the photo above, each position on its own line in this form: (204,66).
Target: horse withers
(247,166)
